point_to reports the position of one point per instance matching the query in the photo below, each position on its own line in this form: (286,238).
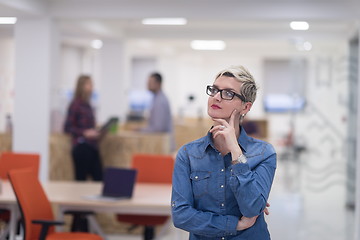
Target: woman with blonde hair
(221,182)
(80,123)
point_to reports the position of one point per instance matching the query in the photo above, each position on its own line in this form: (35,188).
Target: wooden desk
(151,199)
(8,201)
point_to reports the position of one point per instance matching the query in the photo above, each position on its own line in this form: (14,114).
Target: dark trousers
(87,162)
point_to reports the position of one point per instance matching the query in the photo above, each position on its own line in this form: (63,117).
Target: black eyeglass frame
(242,98)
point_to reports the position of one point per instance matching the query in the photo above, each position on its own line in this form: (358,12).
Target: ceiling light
(307,46)
(208,45)
(299,25)
(164,21)
(303,46)
(8,20)
(97,44)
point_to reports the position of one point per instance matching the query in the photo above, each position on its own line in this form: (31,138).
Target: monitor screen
(283,103)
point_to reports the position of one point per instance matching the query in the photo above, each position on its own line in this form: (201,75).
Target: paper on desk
(102,198)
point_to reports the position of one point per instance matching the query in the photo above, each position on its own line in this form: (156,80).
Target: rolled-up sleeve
(185,215)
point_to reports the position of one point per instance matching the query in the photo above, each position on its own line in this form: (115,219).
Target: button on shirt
(210,195)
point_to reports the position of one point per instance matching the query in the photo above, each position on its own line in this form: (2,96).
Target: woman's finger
(232,118)
(220,121)
(217,128)
(266,211)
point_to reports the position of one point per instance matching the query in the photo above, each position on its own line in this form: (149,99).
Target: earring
(243,115)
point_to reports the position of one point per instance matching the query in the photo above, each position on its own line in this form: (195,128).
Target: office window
(284,84)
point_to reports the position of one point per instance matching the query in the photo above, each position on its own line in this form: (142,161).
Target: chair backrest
(14,160)
(34,204)
(153,168)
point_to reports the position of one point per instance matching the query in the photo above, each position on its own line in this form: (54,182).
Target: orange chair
(151,169)
(36,209)
(15,160)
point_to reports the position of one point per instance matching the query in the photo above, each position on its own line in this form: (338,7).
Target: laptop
(113,121)
(118,184)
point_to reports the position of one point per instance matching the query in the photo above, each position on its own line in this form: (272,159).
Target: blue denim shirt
(210,194)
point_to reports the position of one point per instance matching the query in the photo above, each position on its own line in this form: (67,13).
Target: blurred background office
(304,56)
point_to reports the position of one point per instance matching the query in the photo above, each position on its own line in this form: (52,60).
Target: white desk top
(152,199)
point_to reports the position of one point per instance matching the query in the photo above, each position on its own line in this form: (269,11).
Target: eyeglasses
(224,93)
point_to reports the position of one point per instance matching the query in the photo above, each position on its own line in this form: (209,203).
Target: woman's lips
(214,106)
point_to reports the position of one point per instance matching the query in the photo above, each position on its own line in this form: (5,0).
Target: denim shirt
(210,195)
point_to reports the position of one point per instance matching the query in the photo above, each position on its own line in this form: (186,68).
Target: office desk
(8,201)
(151,199)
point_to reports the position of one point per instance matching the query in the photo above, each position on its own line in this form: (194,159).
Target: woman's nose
(218,96)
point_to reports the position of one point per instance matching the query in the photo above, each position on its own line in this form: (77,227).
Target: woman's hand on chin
(227,131)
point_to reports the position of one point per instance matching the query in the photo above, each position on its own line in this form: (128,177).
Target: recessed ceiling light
(303,45)
(208,45)
(8,20)
(307,46)
(164,21)
(299,25)
(97,44)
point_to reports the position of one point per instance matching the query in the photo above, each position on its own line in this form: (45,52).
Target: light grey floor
(307,200)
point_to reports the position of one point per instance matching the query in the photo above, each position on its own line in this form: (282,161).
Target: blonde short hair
(248,87)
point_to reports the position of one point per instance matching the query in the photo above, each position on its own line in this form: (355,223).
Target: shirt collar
(242,140)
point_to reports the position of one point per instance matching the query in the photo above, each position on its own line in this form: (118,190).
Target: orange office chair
(15,160)
(151,169)
(36,210)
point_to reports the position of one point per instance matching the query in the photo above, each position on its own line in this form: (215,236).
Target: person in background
(221,182)
(160,119)
(80,123)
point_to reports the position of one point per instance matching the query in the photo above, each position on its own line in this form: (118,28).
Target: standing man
(160,119)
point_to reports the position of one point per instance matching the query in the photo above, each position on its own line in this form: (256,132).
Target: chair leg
(4,234)
(80,223)
(149,232)
(95,227)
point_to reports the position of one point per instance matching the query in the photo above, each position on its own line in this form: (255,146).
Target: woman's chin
(216,115)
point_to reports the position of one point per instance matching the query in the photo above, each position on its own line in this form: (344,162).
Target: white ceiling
(207,19)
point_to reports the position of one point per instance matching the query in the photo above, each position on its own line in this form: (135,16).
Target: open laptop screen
(119,182)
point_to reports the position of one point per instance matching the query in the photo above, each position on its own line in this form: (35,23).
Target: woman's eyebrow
(224,88)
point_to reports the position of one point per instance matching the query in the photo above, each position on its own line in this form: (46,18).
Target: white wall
(188,72)
(74,60)
(7,72)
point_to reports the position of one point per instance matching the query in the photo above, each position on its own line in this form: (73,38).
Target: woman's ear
(246,108)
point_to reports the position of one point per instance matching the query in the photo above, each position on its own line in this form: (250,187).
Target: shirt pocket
(200,182)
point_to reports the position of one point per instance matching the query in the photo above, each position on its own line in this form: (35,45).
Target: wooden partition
(116,150)
(5,142)
(190,129)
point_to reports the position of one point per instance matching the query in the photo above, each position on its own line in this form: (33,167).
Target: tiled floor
(306,204)
(302,211)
